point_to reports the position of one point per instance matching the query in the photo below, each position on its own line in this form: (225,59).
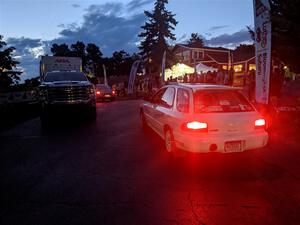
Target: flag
(104,73)
(132,76)
(262,49)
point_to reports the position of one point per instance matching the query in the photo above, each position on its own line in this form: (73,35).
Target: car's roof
(202,86)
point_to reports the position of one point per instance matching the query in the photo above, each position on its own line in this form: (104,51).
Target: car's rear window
(103,87)
(217,101)
(64,76)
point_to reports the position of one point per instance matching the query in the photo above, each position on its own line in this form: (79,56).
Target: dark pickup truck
(66,90)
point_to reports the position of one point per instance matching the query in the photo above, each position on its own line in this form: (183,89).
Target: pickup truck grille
(68,93)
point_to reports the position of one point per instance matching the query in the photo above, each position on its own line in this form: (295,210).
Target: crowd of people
(220,76)
(149,84)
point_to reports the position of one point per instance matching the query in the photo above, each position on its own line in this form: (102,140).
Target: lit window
(252,67)
(238,68)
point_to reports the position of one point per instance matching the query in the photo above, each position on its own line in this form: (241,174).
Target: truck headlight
(91,89)
(43,92)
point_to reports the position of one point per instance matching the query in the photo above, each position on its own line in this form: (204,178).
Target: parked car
(105,92)
(66,90)
(204,118)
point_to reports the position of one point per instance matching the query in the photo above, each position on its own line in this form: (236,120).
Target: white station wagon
(204,118)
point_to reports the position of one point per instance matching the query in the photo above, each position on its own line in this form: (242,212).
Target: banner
(262,49)
(104,73)
(163,67)
(132,76)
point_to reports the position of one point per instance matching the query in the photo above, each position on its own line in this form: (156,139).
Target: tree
(121,62)
(8,75)
(285,20)
(157,32)
(61,50)
(78,50)
(195,41)
(94,59)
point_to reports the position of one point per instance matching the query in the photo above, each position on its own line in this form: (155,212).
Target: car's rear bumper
(106,98)
(203,142)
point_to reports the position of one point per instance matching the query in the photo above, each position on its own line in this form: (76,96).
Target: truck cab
(66,90)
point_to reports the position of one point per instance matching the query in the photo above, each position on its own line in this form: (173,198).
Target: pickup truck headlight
(91,89)
(43,91)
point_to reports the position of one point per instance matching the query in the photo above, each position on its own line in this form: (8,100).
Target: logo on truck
(63,60)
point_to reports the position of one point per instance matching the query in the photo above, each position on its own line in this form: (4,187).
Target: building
(242,59)
(213,57)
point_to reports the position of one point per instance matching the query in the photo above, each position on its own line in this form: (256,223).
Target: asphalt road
(110,172)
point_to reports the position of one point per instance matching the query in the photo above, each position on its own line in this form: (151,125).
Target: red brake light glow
(98,92)
(260,123)
(113,92)
(195,126)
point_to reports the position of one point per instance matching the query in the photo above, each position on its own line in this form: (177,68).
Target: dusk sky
(33,25)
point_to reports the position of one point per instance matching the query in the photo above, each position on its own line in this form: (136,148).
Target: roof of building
(197,86)
(203,48)
(243,53)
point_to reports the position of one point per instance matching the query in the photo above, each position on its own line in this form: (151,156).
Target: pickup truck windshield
(214,101)
(64,76)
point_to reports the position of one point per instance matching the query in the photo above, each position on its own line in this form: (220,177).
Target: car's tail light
(113,92)
(195,126)
(260,124)
(98,93)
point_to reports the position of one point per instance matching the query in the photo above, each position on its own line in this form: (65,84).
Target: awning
(178,70)
(204,68)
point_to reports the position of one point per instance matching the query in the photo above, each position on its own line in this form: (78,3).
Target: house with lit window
(241,59)
(212,57)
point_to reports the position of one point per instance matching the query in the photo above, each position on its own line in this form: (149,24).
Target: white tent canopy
(178,70)
(204,68)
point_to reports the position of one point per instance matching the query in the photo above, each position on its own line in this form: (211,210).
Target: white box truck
(58,63)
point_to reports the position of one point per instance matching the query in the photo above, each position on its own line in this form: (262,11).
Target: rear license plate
(106,95)
(233,146)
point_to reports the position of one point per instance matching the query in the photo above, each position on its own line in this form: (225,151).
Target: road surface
(110,172)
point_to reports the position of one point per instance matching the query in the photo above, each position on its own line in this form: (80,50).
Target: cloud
(23,42)
(236,38)
(107,25)
(136,4)
(27,53)
(218,27)
(182,38)
(76,5)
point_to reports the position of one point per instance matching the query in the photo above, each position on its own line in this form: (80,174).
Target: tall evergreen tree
(195,41)
(157,32)
(285,19)
(8,75)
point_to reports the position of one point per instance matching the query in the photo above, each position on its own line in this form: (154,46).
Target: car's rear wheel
(169,142)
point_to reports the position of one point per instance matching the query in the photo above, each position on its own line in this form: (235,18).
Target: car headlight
(43,91)
(91,89)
